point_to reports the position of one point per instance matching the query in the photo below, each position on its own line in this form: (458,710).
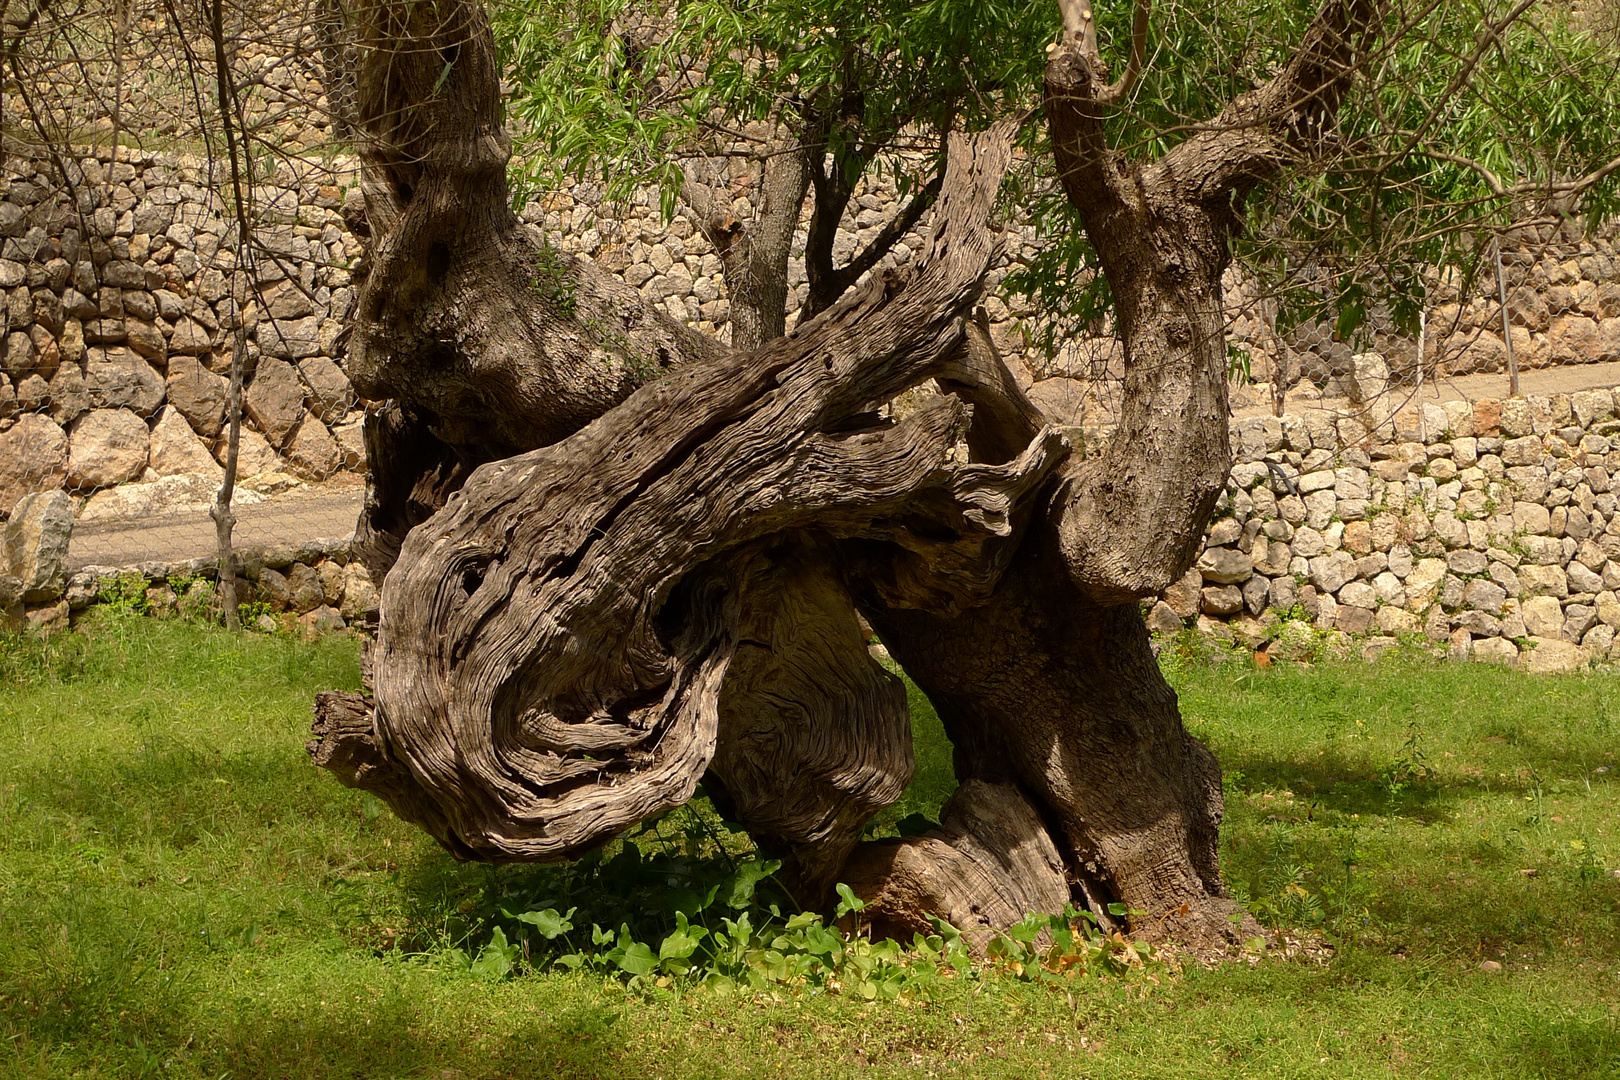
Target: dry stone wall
(1484,526)
(121,301)
(312,586)
(1488,527)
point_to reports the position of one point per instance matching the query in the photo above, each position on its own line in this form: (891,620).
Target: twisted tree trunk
(605,593)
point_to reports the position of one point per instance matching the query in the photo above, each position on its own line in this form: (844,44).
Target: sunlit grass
(182,894)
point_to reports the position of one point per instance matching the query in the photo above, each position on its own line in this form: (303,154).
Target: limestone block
(1319,508)
(146,340)
(1460,418)
(290,339)
(1451,592)
(17,355)
(1529,517)
(330,394)
(1392,620)
(1389,589)
(1256,591)
(1320,480)
(1582,579)
(1225,566)
(1496,651)
(304,592)
(1224,531)
(1574,339)
(1062,400)
(1542,550)
(1308,542)
(1184,595)
(1330,572)
(199,395)
(1515,420)
(119,379)
(1358,594)
(275,400)
(359,594)
(1467,562)
(107,447)
(1543,616)
(1607,607)
(1357,537)
(254,454)
(1591,406)
(1480,624)
(1162,619)
(190,338)
(1353,620)
(35,544)
(1527,450)
(33,457)
(1271,557)
(1452,533)
(1222,600)
(351,440)
(1549,655)
(1461,645)
(312,451)
(1352,483)
(1482,595)
(1599,642)
(1578,619)
(1283,594)
(175,448)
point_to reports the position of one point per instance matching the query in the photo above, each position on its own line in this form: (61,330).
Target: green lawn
(181,894)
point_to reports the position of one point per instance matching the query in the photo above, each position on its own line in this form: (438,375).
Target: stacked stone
(1486,526)
(313,585)
(1563,308)
(677,270)
(120,317)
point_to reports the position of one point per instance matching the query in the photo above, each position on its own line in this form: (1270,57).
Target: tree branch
(896,227)
(1281,121)
(1133,67)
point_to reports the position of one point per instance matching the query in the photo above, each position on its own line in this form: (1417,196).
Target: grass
(182,895)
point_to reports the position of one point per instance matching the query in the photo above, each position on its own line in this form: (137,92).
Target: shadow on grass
(395,1035)
(173,791)
(1333,781)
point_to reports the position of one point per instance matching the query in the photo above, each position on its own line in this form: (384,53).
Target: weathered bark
(989,864)
(495,342)
(590,627)
(557,656)
(1050,688)
(411,474)
(754,254)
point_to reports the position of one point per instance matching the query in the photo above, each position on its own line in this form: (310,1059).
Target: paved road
(287,520)
(1564,379)
(297,517)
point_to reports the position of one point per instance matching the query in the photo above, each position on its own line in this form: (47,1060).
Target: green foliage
(1352,239)
(1404,190)
(123,595)
(632,88)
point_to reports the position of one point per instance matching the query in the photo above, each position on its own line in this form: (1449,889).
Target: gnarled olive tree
(621,558)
